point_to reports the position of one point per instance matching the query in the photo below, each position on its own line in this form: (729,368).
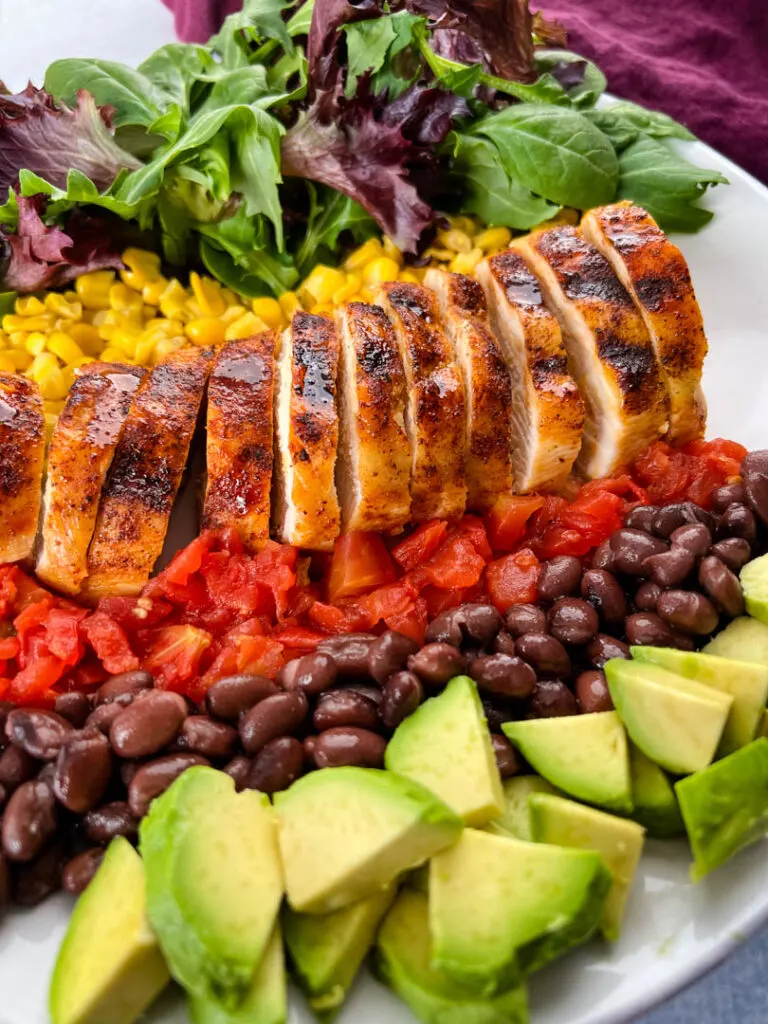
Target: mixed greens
(302,127)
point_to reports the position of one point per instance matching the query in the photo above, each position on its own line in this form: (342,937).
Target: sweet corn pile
(140,316)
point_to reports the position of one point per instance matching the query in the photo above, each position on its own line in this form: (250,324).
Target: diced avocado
(584,755)
(744,639)
(674,721)
(345,833)
(745,681)
(515,820)
(500,908)
(446,746)
(265,1002)
(725,806)
(327,949)
(403,963)
(618,841)
(214,882)
(754,582)
(109,968)
(764,725)
(418,879)
(656,806)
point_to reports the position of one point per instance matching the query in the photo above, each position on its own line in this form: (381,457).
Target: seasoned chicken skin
(487,385)
(609,351)
(79,456)
(373,468)
(146,472)
(22,449)
(435,415)
(305,509)
(655,273)
(547,413)
(239,448)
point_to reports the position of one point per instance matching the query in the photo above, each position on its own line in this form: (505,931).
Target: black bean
(4,794)
(40,733)
(275,716)
(526,618)
(345,707)
(228,698)
(726,495)
(347,746)
(239,769)
(5,709)
(279,763)
(83,770)
(671,517)
(722,586)
(647,596)
(641,518)
(373,693)
(146,726)
(688,611)
(605,647)
(154,777)
(403,693)
(349,652)
(592,692)
(695,537)
(75,707)
(104,823)
(602,557)
(546,655)
(670,568)
(446,629)
(78,873)
(311,674)
(436,663)
(481,622)
(123,688)
(648,629)
(497,713)
(103,716)
(605,594)
(507,760)
(308,745)
(734,552)
(631,548)
(503,676)
(29,820)
(203,735)
(37,880)
(573,621)
(559,577)
(552,699)
(754,470)
(389,653)
(503,643)
(16,766)
(738,521)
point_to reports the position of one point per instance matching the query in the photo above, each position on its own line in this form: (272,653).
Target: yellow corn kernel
(439,255)
(369,293)
(320,285)
(60,307)
(207,293)
(465,262)
(232,313)
(153,291)
(26,323)
(380,270)
(124,300)
(206,331)
(391,250)
(45,370)
(29,305)
(21,360)
(36,342)
(51,419)
(350,287)
(143,267)
(270,311)
(493,238)
(462,223)
(125,339)
(455,240)
(408,277)
(145,350)
(289,304)
(230,298)
(247,325)
(65,347)
(357,297)
(18,339)
(165,347)
(68,373)
(6,364)
(113,355)
(5,341)
(148,313)
(93,289)
(368,251)
(323,309)
(173,298)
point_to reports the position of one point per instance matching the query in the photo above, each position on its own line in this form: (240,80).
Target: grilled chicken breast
(146,472)
(655,273)
(546,413)
(373,468)
(22,449)
(239,446)
(609,351)
(79,457)
(305,508)
(435,416)
(487,385)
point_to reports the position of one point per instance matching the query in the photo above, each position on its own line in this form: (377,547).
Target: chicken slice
(609,351)
(22,450)
(146,471)
(487,385)
(546,412)
(656,275)
(79,457)
(373,468)
(239,447)
(305,509)
(435,415)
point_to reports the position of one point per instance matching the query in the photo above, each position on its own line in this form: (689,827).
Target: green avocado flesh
(745,681)
(214,882)
(676,722)
(345,833)
(656,806)
(403,962)
(446,746)
(583,755)
(265,1001)
(327,949)
(754,581)
(110,968)
(744,639)
(515,820)
(500,908)
(725,806)
(618,841)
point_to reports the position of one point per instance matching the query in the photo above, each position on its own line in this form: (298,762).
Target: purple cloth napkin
(705,62)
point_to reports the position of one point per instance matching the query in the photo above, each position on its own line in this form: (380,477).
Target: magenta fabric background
(704,62)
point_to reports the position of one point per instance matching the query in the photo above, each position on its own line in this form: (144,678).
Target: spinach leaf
(330,213)
(584,82)
(174,68)
(7,302)
(238,251)
(136,99)
(623,122)
(373,45)
(80,189)
(259,20)
(668,186)
(555,152)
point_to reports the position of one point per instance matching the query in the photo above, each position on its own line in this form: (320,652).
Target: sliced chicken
(609,351)
(22,450)
(79,457)
(435,415)
(305,508)
(239,447)
(547,413)
(487,385)
(146,471)
(656,275)
(373,469)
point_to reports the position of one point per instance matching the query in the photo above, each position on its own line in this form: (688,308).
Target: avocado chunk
(674,721)
(214,882)
(744,639)
(656,806)
(345,833)
(618,841)
(446,746)
(754,582)
(403,962)
(515,819)
(583,755)
(327,949)
(500,908)
(745,681)
(265,1002)
(109,968)
(725,806)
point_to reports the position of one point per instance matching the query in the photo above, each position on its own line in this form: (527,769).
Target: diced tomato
(327,617)
(174,655)
(360,563)
(512,579)
(28,591)
(474,528)
(299,638)
(722,455)
(439,601)
(9,648)
(456,563)
(134,613)
(420,545)
(412,621)
(509,517)
(33,616)
(89,674)
(252,654)
(41,672)
(188,561)
(110,642)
